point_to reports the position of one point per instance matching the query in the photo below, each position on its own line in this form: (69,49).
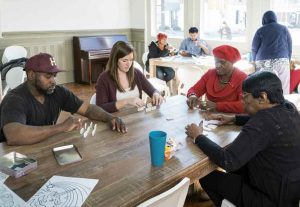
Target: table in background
(121,162)
(203,63)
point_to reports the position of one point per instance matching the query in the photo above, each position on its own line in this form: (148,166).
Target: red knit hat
(228,53)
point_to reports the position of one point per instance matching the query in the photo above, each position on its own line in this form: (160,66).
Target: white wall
(137,14)
(45,15)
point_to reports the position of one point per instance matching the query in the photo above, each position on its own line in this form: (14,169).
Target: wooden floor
(85,92)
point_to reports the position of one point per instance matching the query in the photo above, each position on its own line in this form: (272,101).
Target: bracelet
(192,94)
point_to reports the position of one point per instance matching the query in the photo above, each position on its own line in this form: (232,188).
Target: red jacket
(295,80)
(227,99)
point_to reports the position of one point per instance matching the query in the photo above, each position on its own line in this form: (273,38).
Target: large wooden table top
(121,162)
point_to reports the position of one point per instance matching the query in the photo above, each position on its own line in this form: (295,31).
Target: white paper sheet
(9,198)
(62,191)
(3,177)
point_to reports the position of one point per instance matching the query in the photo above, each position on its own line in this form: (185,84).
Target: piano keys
(91,54)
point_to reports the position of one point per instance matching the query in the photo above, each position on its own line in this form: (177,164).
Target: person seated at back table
(193,45)
(161,48)
(30,111)
(121,85)
(222,85)
(263,162)
(295,75)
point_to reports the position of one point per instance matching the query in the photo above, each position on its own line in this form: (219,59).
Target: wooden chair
(174,197)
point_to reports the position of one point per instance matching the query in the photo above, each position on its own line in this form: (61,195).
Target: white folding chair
(158,84)
(14,77)
(144,58)
(174,197)
(93,99)
(226,203)
(187,77)
(13,52)
(294,98)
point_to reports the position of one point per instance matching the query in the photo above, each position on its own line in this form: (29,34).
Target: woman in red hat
(222,85)
(161,48)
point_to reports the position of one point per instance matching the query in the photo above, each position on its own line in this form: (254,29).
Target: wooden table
(203,63)
(122,161)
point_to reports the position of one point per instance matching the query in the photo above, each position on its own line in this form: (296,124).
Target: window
(288,14)
(224,20)
(168,17)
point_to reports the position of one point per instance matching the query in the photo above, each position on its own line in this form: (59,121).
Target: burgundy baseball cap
(43,63)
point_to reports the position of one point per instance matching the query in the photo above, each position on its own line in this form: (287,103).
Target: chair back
(293,98)
(13,52)
(158,84)
(187,77)
(136,65)
(226,203)
(174,197)
(144,58)
(14,77)
(93,99)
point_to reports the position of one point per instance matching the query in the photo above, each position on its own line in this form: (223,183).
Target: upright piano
(91,54)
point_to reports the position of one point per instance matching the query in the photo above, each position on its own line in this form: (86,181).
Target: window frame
(192,17)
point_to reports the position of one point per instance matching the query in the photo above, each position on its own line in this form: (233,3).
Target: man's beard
(48,91)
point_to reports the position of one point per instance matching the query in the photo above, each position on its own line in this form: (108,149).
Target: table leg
(152,68)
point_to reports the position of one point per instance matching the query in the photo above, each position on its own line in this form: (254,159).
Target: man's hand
(224,119)
(184,53)
(135,102)
(157,99)
(192,101)
(72,123)
(170,48)
(118,125)
(198,43)
(194,130)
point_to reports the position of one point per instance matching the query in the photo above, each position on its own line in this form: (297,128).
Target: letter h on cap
(52,61)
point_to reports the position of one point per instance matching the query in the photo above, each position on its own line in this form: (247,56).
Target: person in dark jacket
(263,162)
(161,48)
(121,85)
(272,49)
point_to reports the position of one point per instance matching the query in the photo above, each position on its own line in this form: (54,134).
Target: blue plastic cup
(157,141)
